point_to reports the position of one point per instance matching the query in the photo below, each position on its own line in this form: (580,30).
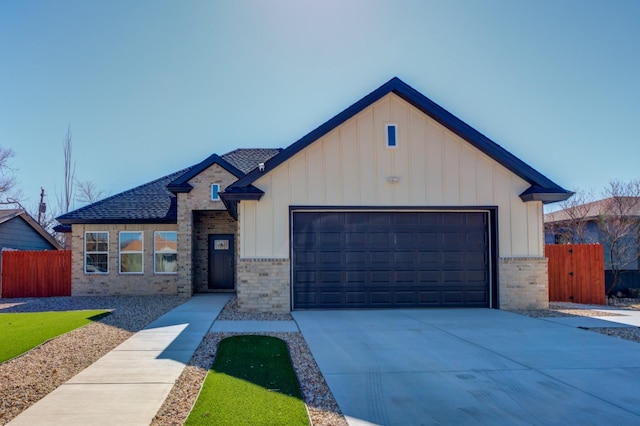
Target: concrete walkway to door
(129,384)
(470,367)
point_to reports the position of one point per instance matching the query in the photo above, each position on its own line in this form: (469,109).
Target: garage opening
(391,259)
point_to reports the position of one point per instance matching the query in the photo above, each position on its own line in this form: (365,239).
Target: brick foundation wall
(114,283)
(263,285)
(524,283)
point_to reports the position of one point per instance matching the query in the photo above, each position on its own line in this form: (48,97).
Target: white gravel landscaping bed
(28,378)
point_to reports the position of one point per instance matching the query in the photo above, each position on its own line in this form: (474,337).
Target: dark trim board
(542,184)
(299,269)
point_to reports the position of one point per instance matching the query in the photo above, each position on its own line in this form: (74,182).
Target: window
(131,248)
(392,136)
(215,192)
(165,248)
(96,252)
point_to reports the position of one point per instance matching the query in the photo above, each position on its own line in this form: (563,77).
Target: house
(392,203)
(18,231)
(587,224)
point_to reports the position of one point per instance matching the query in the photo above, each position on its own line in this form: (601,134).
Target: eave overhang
(231,198)
(546,195)
(116,221)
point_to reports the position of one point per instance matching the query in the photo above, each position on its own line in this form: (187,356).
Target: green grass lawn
(251,382)
(21,332)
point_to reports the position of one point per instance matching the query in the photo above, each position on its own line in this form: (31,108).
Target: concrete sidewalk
(128,385)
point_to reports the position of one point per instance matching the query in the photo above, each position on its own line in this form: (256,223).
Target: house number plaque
(221,245)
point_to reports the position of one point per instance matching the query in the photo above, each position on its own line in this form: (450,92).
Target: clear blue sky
(153,86)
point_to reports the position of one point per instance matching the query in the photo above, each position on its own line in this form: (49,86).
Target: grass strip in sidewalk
(22,332)
(251,382)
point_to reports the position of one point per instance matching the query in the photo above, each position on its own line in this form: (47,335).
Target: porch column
(185,248)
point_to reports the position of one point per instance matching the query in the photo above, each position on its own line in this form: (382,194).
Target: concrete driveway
(472,366)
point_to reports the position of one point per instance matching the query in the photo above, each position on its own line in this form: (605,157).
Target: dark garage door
(389,259)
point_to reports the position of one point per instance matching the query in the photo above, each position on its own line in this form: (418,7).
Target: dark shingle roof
(247,159)
(148,203)
(154,202)
(181,184)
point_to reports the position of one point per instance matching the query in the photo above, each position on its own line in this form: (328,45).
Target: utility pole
(42,208)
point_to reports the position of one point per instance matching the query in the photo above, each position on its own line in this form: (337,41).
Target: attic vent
(392,135)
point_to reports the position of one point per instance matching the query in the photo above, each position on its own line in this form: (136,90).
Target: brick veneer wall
(263,285)
(198,199)
(205,223)
(524,283)
(115,283)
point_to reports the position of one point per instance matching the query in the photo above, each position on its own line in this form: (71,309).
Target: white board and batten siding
(350,165)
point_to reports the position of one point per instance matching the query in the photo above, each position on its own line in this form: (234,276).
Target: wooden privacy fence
(36,273)
(576,273)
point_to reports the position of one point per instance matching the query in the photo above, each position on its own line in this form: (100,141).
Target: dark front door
(221,262)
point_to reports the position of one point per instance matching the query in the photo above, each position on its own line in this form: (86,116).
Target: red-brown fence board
(36,273)
(576,273)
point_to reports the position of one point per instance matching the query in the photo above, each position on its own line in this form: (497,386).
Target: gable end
(540,183)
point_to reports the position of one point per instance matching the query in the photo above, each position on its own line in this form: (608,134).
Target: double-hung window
(165,248)
(131,250)
(96,252)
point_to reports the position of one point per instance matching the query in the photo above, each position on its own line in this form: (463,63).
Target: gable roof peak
(542,188)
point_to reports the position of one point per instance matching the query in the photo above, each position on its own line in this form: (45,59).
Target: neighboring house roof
(542,188)
(591,211)
(148,203)
(162,245)
(8,214)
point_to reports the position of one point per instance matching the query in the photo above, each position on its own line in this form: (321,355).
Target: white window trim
(120,253)
(217,185)
(155,271)
(386,135)
(95,252)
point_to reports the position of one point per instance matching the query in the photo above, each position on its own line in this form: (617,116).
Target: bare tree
(87,192)
(570,223)
(9,195)
(65,199)
(619,225)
